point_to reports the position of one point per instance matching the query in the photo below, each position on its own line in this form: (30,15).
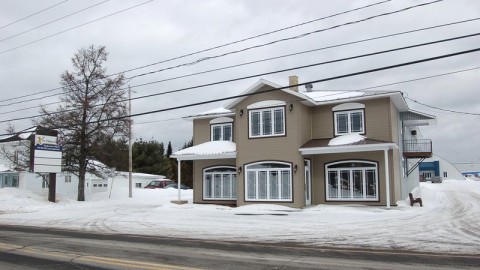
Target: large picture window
(221,132)
(220,183)
(268,181)
(352,181)
(347,122)
(267,122)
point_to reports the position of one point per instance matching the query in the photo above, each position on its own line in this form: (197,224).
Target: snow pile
(346,139)
(4,168)
(447,223)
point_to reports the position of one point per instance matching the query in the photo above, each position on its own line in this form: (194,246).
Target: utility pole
(129,142)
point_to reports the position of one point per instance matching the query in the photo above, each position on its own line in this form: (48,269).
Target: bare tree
(89,110)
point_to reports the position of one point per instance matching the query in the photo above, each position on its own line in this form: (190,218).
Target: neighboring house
(300,148)
(8,177)
(469,169)
(439,167)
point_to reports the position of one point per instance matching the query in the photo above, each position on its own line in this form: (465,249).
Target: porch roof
(321,146)
(208,150)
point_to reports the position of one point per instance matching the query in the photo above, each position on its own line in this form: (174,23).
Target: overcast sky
(31,60)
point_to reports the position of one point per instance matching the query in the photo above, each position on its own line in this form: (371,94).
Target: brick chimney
(293,80)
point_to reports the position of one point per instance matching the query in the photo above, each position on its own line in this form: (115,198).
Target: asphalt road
(36,248)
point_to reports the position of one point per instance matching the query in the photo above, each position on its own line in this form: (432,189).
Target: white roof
(4,168)
(208,150)
(214,112)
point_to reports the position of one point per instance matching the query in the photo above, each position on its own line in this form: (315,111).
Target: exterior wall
(318,176)
(282,148)
(378,123)
(198,166)
(201,130)
(34,182)
(9,179)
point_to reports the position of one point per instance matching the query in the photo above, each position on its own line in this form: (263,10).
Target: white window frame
(351,179)
(233,183)
(349,122)
(279,171)
(222,133)
(272,112)
(68,178)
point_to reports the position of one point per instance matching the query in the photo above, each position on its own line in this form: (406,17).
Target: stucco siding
(198,166)
(318,175)
(201,130)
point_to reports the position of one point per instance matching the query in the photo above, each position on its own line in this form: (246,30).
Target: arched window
(354,180)
(268,181)
(220,183)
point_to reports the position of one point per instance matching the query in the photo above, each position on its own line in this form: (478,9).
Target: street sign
(47,154)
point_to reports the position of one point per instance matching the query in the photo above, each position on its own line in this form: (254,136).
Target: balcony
(417,148)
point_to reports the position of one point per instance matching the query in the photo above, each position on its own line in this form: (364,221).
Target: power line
(289,69)
(267,59)
(290,38)
(440,109)
(31,15)
(252,62)
(305,66)
(50,22)
(253,37)
(230,43)
(270,90)
(75,27)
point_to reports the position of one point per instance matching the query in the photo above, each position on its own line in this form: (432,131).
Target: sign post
(46,157)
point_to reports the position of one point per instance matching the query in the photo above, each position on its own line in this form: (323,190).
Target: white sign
(47,157)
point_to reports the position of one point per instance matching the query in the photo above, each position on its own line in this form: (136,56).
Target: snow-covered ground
(449,222)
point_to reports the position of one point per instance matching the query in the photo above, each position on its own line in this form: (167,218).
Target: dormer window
(349,118)
(266,119)
(221,129)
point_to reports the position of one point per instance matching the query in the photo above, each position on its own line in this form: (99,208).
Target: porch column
(387,178)
(179,177)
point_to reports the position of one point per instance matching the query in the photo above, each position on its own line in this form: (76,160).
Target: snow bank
(447,223)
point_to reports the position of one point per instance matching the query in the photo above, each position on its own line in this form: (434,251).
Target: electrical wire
(252,62)
(253,37)
(31,15)
(50,22)
(267,59)
(298,67)
(75,27)
(441,109)
(290,38)
(269,90)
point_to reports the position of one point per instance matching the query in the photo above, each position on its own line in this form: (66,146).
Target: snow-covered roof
(208,150)
(214,112)
(5,168)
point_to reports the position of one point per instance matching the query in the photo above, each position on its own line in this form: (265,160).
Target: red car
(161,183)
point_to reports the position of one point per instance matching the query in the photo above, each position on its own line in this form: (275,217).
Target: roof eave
(203,157)
(347,148)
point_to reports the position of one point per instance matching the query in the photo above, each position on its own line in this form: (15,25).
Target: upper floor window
(267,122)
(222,132)
(221,129)
(349,118)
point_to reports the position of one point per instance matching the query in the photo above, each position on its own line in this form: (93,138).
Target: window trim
(350,169)
(222,133)
(245,181)
(204,178)
(272,110)
(349,122)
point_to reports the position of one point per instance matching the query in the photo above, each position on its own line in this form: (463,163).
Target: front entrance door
(308,183)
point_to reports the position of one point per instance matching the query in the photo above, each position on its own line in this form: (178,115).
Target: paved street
(31,248)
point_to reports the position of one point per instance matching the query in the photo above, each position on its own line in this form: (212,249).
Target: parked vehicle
(436,179)
(175,185)
(161,183)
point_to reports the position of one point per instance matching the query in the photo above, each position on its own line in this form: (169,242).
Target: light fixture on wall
(295,168)
(239,170)
(241,112)
(290,107)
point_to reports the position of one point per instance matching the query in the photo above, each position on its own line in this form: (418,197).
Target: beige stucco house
(298,148)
